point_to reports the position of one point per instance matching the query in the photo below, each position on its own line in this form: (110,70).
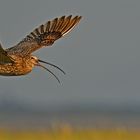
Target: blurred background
(100,56)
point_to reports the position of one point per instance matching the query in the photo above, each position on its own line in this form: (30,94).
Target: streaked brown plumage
(18,60)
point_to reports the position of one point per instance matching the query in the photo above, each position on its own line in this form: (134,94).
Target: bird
(18,59)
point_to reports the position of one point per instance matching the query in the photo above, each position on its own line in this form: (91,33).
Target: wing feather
(45,35)
(54,25)
(48,26)
(4,58)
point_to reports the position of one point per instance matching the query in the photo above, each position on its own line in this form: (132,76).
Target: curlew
(18,60)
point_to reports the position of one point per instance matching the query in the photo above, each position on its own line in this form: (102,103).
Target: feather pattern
(44,35)
(4,58)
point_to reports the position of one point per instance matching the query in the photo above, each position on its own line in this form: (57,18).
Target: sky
(100,56)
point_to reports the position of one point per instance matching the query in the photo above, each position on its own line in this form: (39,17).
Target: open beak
(52,65)
(38,64)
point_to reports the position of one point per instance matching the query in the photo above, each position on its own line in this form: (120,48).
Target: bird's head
(37,62)
(34,60)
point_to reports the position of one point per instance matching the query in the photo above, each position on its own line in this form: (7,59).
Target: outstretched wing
(45,35)
(4,58)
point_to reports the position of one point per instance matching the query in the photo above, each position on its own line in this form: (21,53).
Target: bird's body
(21,66)
(18,60)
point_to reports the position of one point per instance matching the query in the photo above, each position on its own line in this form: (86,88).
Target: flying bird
(18,60)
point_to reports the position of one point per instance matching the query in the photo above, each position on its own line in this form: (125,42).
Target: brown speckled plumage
(18,60)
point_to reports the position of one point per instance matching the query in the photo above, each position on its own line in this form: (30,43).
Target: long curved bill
(49,70)
(51,65)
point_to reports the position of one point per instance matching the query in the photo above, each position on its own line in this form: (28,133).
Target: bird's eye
(32,57)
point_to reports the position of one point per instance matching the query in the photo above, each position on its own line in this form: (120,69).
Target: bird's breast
(14,69)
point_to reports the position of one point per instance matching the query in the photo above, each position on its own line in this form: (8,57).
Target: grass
(67,133)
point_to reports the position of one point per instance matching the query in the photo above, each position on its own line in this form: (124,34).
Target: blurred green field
(67,133)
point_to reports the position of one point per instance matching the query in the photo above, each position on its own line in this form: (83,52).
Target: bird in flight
(18,60)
